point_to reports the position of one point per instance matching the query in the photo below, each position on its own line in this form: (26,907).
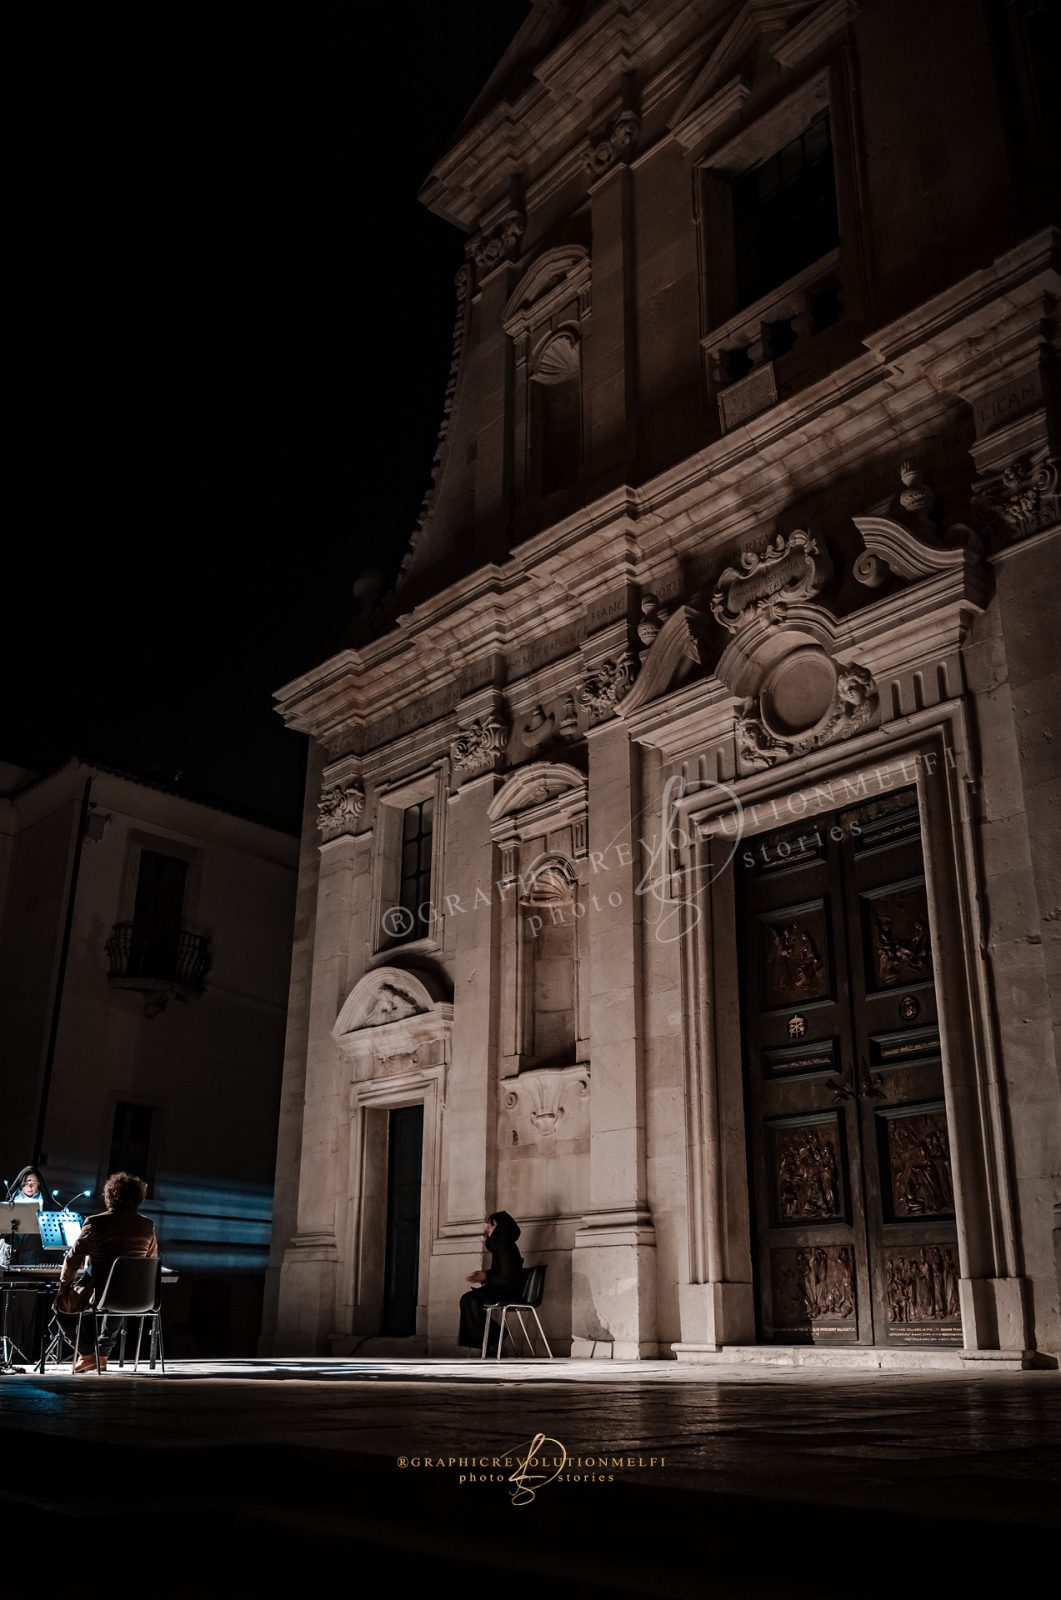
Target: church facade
(680,861)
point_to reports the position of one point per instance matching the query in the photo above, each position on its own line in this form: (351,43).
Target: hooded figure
(502,1283)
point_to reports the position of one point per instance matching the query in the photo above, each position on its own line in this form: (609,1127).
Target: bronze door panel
(849,1153)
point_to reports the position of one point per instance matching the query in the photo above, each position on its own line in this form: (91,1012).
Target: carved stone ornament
(480,747)
(602,688)
(653,616)
(615,145)
(1020,500)
(915,497)
(398,1064)
(489,249)
(338,809)
(792,568)
(798,692)
(543,1099)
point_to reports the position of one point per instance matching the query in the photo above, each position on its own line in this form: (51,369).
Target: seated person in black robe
(503,1282)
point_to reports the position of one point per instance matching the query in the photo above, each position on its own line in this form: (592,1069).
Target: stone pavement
(240,1477)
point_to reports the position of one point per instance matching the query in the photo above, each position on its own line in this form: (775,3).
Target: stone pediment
(754,21)
(536,785)
(674,655)
(546,287)
(389,995)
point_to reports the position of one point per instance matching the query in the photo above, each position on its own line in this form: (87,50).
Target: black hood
(506,1230)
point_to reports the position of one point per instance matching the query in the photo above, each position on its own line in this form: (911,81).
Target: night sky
(232,322)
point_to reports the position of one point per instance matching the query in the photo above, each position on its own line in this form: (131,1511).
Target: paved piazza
(241,1477)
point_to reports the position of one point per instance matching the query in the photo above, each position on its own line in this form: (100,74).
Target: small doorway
(404,1182)
(849,1159)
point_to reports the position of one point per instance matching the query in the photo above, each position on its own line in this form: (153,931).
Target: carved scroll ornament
(480,747)
(1020,500)
(339,808)
(792,568)
(603,688)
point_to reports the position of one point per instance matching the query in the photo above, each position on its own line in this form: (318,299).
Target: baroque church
(680,861)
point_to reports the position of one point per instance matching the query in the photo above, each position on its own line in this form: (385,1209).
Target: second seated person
(503,1282)
(118,1231)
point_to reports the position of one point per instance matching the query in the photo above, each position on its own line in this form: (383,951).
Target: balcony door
(157,915)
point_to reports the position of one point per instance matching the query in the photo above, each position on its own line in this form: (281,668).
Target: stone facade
(702,578)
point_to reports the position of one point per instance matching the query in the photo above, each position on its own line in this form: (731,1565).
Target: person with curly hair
(118,1231)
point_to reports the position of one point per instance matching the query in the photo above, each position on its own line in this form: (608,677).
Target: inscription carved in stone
(808,1173)
(922,1284)
(919,1153)
(813,1284)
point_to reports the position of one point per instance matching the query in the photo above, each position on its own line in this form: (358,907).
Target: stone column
(614,1261)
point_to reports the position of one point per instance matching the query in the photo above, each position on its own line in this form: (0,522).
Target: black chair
(533,1290)
(133,1289)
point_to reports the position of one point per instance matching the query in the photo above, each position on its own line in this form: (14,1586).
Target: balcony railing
(144,958)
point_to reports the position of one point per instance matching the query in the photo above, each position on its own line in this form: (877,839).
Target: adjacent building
(145,942)
(680,862)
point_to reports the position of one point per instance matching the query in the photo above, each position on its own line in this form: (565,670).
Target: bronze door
(848,1149)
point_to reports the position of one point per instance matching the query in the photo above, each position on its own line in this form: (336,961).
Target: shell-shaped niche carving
(560,359)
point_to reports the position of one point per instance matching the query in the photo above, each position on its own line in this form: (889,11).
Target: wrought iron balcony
(141,958)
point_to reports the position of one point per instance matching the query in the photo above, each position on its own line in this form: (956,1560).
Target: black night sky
(232,322)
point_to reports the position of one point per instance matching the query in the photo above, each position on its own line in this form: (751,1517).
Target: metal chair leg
(523,1328)
(541,1330)
(121,1345)
(139,1339)
(77,1338)
(158,1331)
(501,1335)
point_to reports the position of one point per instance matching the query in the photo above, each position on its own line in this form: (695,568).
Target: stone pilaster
(469,1156)
(614,1261)
(307,1301)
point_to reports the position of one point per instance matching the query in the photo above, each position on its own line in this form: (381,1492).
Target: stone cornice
(731,490)
(538,129)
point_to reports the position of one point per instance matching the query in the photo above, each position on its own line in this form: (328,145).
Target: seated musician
(118,1231)
(29,1189)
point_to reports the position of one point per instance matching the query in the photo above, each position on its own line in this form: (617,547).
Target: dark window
(415,888)
(784,213)
(131,1139)
(157,916)
(558,406)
